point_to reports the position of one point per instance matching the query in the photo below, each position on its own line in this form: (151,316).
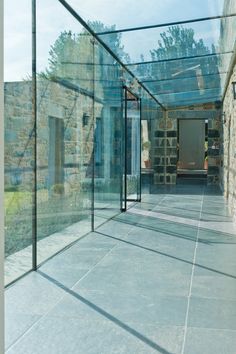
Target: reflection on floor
(20,262)
(160,278)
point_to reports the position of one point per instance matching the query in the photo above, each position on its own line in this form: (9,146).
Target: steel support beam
(167,24)
(180,58)
(87,27)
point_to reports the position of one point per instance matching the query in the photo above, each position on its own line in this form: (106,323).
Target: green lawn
(19,200)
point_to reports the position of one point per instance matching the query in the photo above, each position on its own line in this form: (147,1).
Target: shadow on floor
(168,255)
(107,315)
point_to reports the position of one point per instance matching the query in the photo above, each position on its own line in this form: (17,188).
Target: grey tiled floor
(160,278)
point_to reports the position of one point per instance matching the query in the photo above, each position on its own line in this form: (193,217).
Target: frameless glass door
(132,149)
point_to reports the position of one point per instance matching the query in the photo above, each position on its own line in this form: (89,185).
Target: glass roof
(197,38)
(133,13)
(180,50)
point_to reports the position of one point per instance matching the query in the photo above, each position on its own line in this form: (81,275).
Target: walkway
(160,278)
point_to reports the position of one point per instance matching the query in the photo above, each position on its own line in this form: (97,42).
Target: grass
(15,201)
(54,214)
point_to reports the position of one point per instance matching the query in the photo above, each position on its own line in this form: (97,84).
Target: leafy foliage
(71,52)
(113,40)
(178,41)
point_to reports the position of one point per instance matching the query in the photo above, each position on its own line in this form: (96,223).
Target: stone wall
(228,166)
(165,142)
(19,128)
(54,100)
(72,122)
(228,171)
(59,204)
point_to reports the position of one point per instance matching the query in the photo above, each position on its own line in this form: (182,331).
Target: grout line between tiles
(191,279)
(44,315)
(213,329)
(63,295)
(95,265)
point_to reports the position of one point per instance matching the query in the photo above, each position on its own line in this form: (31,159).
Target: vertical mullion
(121,147)
(125,147)
(93,150)
(34,115)
(140,151)
(2,344)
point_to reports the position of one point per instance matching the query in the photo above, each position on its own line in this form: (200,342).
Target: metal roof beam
(183,78)
(195,99)
(104,45)
(183,92)
(166,24)
(180,58)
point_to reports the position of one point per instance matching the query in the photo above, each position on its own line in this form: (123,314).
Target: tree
(180,42)
(71,52)
(113,40)
(176,42)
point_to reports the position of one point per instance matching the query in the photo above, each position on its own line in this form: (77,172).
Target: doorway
(192,146)
(56,156)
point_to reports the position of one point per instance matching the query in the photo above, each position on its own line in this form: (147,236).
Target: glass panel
(133,148)
(227,34)
(175,98)
(196,67)
(178,41)
(198,76)
(132,13)
(178,52)
(150,112)
(64,129)
(197,82)
(19,139)
(108,135)
(124,152)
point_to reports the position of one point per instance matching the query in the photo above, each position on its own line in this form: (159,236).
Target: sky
(52,18)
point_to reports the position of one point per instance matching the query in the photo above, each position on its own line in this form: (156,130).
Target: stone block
(164,161)
(161,178)
(159,133)
(171,169)
(213,152)
(158,179)
(210,124)
(169,124)
(171,152)
(213,170)
(173,179)
(193,114)
(174,142)
(159,169)
(10,136)
(173,160)
(159,152)
(172,134)
(43,134)
(213,133)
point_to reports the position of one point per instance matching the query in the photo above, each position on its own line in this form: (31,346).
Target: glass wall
(70,132)
(133,158)
(107,134)
(65,128)
(150,114)
(19,139)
